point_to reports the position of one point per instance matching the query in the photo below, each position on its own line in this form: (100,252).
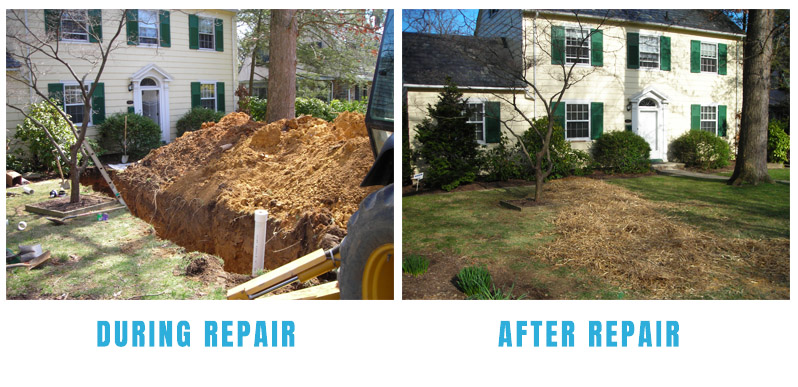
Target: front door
(647,128)
(150,106)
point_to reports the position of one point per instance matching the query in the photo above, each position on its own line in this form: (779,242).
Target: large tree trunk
(282,65)
(751,165)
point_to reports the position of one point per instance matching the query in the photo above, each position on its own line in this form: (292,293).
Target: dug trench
(201,193)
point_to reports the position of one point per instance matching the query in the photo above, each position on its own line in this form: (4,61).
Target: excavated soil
(306,172)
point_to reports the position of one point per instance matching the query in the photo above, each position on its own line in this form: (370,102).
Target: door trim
(661,109)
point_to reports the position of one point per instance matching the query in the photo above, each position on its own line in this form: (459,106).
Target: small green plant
(698,148)
(415,265)
(474,279)
(257,108)
(495,293)
(194,118)
(143,134)
(778,141)
(622,152)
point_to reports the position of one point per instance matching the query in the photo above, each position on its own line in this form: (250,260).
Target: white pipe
(259,249)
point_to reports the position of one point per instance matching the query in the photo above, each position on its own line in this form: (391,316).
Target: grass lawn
(118,259)
(775,173)
(761,211)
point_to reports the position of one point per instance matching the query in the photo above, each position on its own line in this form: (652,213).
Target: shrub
(349,106)
(778,141)
(39,155)
(622,152)
(194,118)
(257,108)
(143,134)
(314,107)
(415,265)
(448,152)
(503,162)
(698,148)
(472,280)
(566,161)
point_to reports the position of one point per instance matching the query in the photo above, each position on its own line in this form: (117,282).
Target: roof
(703,19)
(11,63)
(427,59)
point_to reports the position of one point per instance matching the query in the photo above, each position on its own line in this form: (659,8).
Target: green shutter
(695,117)
(493,132)
(597,48)
(695,56)
(559,114)
(722,124)
(596,119)
(219,25)
(665,53)
(557,45)
(132,16)
(131,109)
(220,96)
(56,90)
(722,59)
(52,22)
(193,32)
(98,104)
(195,94)
(96,25)
(632,50)
(166,37)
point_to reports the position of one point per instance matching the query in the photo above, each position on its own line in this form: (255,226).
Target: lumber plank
(276,276)
(328,291)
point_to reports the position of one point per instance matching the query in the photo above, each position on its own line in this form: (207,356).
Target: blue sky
(466,18)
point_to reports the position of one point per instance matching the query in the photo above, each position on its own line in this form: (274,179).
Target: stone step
(667,166)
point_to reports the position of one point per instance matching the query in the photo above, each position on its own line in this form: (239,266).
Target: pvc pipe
(259,248)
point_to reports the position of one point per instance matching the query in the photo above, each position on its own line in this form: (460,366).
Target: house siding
(183,64)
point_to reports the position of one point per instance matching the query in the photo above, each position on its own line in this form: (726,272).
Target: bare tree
(438,21)
(83,63)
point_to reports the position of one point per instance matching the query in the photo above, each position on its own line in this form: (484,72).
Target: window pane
(208,104)
(76,111)
(207,90)
(72,95)
(206,26)
(708,50)
(74,24)
(205,41)
(577,129)
(577,50)
(649,44)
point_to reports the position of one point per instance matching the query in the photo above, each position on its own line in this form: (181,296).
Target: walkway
(698,175)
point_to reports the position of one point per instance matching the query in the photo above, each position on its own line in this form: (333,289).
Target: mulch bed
(63,204)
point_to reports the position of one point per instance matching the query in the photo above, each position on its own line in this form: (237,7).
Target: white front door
(647,128)
(151,108)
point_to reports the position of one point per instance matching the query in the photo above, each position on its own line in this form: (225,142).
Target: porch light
(130,86)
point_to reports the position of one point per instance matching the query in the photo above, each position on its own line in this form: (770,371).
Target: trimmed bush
(415,265)
(349,106)
(567,161)
(143,134)
(504,162)
(699,148)
(778,141)
(314,107)
(194,118)
(622,152)
(257,108)
(473,280)
(39,155)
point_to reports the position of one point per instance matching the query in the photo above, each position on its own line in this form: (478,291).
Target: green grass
(761,211)
(415,264)
(775,173)
(118,259)
(473,280)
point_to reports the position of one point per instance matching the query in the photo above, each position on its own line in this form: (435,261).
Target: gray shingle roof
(705,19)
(427,59)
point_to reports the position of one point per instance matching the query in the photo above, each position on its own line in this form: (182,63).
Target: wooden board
(328,291)
(276,276)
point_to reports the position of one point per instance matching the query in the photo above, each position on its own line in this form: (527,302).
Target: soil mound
(201,193)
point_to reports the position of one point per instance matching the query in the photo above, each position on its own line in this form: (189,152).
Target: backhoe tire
(368,229)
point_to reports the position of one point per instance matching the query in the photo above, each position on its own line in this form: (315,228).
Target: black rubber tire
(368,228)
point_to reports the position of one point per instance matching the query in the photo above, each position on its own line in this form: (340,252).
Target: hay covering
(628,241)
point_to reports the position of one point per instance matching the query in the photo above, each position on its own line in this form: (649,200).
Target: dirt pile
(628,240)
(201,194)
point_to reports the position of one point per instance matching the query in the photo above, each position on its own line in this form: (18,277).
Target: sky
(466,18)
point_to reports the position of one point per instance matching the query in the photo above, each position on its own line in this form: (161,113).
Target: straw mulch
(628,241)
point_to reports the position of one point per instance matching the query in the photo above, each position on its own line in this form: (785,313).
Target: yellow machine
(365,257)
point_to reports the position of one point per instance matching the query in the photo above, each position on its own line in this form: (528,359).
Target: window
(208,96)
(74,25)
(709,119)
(148,27)
(577,121)
(148,82)
(648,102)
(709,57)
(73,103)
(477,120)
(577,46)
(206,37)
(649,52)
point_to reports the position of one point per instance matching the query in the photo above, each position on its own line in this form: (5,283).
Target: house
(166,62)
(658,73)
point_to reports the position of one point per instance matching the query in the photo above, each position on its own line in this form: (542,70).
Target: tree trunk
(282,65)
(751,164)
(74,173)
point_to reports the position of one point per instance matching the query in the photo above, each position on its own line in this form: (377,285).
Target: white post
(259,249)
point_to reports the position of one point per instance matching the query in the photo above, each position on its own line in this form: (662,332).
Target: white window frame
(157,28)
(701,57)
(215,93)
(61,26)
(714,120)
(64,102)
(565,118)
(640,52)
(213,33)
(481,114)
(588,41)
